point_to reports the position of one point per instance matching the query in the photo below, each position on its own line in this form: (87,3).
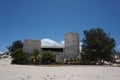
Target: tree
(15,45)
(48,57)
(19,57)
(117,53)
(97,45)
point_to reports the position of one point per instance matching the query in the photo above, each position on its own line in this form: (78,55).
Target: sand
(78,72)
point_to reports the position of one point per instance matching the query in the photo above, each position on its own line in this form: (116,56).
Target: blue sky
(51,19)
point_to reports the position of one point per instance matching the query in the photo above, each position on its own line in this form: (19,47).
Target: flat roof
(53,47)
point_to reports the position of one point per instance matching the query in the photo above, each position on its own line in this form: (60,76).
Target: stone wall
(71,45)
(30,45)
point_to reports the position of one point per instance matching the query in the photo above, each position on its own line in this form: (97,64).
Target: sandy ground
(78,72)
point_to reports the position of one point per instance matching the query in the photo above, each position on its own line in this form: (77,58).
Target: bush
(48,57)
(20,57)
(88,62)
(0,57)
(5,56)
(73,60)
(35,58)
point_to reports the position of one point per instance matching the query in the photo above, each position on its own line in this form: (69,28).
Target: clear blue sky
(39,19)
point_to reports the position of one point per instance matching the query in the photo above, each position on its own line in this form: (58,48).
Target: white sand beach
(77,72)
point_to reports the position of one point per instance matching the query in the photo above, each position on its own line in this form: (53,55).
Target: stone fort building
(69,50)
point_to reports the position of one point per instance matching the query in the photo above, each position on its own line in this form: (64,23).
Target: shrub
(20,57)
(35,58)
(47,57)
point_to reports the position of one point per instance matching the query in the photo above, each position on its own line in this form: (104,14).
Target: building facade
(69,50)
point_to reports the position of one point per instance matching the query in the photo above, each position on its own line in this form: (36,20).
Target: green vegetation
(15,45)
(35,58)
(19,57)
(48,57)
(97,46)
(73,60)
(0,56)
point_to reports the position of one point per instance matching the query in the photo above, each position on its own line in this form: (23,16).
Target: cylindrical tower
(71,45)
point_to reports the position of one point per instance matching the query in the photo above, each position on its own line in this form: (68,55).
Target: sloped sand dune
(78,72)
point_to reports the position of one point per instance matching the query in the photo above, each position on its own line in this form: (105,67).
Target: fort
(69,50)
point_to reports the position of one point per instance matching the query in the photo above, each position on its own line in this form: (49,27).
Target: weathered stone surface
(70,50)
